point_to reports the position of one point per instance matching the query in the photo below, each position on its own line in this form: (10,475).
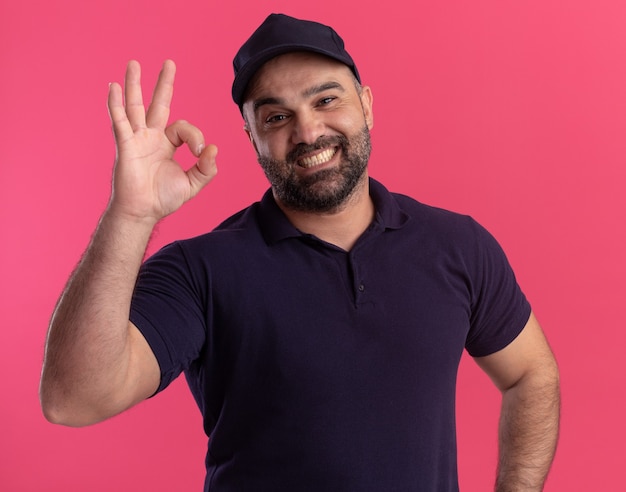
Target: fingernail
(200,149)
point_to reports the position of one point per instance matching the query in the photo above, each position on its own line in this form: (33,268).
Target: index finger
(159,110)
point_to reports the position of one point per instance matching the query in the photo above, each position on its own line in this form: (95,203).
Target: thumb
(204,170)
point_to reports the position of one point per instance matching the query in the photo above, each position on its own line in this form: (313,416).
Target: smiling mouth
(317,159)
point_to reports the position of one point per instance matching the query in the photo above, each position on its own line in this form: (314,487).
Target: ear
(367,101)
(246,129)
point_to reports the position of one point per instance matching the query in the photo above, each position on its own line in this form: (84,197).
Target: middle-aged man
(320,329)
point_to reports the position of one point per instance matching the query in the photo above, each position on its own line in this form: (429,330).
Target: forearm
(88,350)
(528,433)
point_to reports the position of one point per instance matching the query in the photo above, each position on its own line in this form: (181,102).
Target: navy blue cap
(280,34)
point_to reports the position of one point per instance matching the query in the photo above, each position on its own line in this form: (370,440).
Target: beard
(325,190)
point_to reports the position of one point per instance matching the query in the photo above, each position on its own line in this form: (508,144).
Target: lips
(317,159)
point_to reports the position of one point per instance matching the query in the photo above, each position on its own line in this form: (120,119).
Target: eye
(276,118)
(326,100)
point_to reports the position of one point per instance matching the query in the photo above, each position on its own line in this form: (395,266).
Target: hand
(147,183)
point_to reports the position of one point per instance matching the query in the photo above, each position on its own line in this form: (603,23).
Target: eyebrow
(311,91)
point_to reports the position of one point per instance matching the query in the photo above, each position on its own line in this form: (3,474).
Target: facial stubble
(326,190)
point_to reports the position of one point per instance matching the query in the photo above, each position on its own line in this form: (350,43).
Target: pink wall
(514,112)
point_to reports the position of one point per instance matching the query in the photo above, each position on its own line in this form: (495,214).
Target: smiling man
(321,328)
(313,141)
(309,120)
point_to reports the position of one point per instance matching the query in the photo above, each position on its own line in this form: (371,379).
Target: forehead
(296,72)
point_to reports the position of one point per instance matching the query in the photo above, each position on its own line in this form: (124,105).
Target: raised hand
(97,363)
(148,183)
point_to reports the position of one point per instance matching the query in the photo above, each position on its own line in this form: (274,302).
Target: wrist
(118,215)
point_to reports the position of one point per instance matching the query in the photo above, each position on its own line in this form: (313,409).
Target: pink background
(513,112)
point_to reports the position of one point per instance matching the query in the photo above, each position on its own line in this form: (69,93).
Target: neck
(341,227)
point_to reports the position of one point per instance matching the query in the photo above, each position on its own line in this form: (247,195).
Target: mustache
(321,143)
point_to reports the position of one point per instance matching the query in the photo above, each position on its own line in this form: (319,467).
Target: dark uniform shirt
(317,369)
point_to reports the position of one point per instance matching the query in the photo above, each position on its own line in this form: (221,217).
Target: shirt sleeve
(168,307)
(499,309)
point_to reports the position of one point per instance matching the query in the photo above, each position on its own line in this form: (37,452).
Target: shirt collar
(275,226)
(388,212)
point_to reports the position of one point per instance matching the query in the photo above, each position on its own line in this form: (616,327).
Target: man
(320,329)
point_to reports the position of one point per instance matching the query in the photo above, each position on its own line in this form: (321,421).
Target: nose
(308,127)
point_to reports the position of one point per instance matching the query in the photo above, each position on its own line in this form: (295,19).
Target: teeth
(317,159)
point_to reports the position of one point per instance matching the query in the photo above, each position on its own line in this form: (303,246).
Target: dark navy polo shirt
(317,369)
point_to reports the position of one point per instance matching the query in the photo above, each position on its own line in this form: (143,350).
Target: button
(361,288)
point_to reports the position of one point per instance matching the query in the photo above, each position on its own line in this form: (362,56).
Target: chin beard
(328,189)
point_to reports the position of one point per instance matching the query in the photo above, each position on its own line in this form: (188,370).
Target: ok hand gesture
(147,183)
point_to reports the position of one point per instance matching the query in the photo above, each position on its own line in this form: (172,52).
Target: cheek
(350,123)
(270,147)
(264,150)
